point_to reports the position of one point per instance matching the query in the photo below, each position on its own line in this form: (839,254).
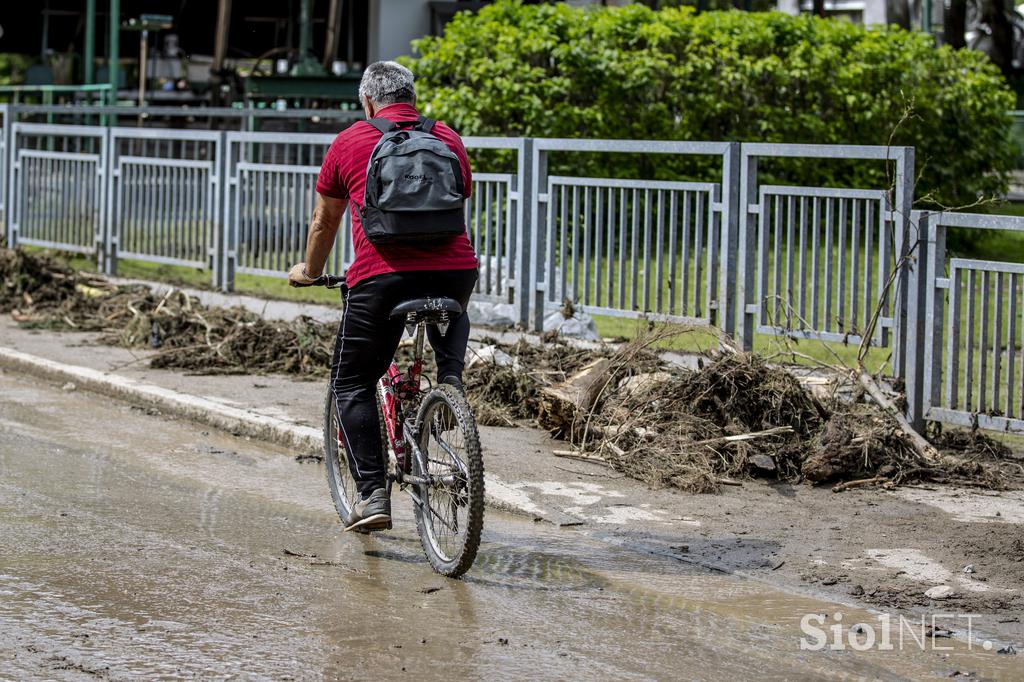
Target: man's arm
(323,229)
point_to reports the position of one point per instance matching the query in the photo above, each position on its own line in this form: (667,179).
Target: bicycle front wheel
(451,514)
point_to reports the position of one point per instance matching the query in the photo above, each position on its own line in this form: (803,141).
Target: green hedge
(551,70)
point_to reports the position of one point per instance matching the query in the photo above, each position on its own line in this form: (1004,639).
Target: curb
(203,410)
(498,495)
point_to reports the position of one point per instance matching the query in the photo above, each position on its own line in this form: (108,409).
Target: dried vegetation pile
(628,409)
(40,291)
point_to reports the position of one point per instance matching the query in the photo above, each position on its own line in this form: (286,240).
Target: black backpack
(414,186)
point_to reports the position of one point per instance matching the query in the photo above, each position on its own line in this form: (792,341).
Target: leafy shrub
(551,70)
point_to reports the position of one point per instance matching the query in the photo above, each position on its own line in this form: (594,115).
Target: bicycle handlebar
(325,280)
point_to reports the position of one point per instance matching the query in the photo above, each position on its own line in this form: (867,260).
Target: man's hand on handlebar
(297,276)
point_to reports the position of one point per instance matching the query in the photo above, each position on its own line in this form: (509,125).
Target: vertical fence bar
(587,238)
(763,262)
(698,253)
(870,300)
(829,257)
(599,258)
(815,246)
(1011,346)
(673,206)
(997,342)
(969,383)
(684,300)
(634,250)
(983,347)
(953,349)
(659,252)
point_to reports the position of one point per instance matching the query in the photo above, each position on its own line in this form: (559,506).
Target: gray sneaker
(373,513)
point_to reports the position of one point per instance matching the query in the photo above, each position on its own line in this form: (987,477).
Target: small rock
(969,568)
(762,462)
(1007,650)
(940,592)
(503,641)
(483,313)
(580,325)
(68,387)
(857,590)
(829,580)
(681,548)
(490,356)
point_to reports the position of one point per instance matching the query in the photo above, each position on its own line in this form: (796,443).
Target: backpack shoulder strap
(383,125)
(425,124)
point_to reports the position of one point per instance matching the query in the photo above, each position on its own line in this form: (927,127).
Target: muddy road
(133,545)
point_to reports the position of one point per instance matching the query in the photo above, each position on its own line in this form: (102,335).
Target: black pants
(367,341)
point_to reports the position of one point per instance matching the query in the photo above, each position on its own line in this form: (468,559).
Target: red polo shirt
(343,176)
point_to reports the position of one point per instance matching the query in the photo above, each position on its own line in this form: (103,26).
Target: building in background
(288,52)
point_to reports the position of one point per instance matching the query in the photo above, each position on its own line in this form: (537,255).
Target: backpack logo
(421,178)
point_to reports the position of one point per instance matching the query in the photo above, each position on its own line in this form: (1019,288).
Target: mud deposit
(173,553)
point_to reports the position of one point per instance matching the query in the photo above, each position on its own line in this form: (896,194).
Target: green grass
(182,276)
(779,349)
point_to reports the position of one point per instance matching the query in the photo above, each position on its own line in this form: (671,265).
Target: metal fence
(970,340)
(636,247)
(57,185)
(819,261)
(163,196)
(728,251)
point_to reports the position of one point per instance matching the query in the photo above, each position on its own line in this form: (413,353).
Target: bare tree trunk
(993,13)
(955,24)
(819,8)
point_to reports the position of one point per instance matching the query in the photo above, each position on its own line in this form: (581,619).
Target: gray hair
(387,83)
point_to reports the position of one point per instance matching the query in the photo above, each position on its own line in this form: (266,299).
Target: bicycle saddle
(429,310)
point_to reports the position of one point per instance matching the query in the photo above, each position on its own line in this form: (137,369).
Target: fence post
(917,274)
(524,220)
(108,179)
(907,239)
(538,237)
(220,224)
(5,141)
(746,244)
(727,274)
(12,202)
(935,302)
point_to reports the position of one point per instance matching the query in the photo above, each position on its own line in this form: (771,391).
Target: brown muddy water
(133,546)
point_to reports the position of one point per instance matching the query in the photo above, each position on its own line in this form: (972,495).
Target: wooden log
(564,406)
(917,441)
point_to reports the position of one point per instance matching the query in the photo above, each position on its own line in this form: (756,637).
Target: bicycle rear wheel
(339,475)
(451,516)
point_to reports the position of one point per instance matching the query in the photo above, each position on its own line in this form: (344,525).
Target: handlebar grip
(329,281)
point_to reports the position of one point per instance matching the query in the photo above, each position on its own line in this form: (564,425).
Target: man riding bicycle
(383,274)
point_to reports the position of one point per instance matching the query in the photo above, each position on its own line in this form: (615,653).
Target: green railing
(17,94)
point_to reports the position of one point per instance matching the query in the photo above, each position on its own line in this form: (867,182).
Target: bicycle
(443,474)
